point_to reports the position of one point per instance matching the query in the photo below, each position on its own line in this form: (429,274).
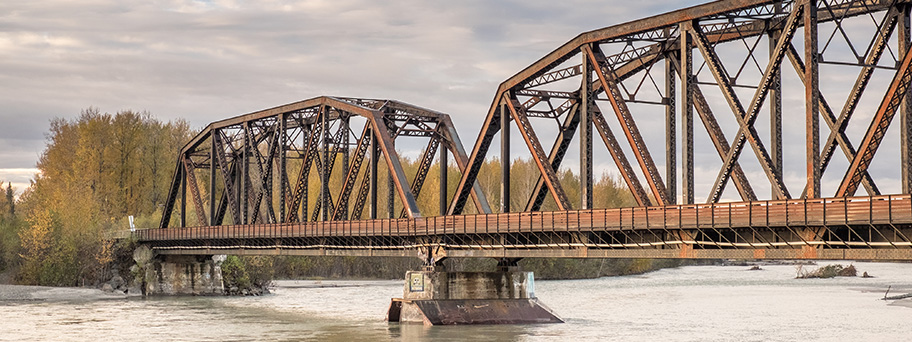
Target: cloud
(208,60)
(20,179)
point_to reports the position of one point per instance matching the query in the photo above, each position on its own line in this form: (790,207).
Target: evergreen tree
(10,201)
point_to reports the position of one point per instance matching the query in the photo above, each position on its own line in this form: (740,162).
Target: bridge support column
(179,274)
(809,235)
(687,244)
(434,296)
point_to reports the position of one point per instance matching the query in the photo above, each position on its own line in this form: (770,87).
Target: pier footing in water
(436,297)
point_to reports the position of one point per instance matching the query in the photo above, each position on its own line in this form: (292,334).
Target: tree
(36,244)
(10,201)
(95,171)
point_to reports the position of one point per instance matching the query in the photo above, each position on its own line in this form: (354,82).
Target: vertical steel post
(324,170)
(905,109)
(245,174)
(212,165)
(238,174)
(504,158)
(775,103)
(687,148)
(585,127)
(343,145)
(811,98)
(283,176)
(182,175)
(237,187)
(303,207)
(390,194)
(671,149)
(372,173)
(443,178)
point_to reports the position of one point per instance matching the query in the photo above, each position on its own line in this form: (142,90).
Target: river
(694,303)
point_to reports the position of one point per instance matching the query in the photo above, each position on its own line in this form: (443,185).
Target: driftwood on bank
(902,296)
(828,271)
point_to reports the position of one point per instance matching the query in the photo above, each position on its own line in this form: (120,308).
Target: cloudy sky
(208,60)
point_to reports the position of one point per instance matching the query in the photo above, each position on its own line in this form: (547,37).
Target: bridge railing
(853,211)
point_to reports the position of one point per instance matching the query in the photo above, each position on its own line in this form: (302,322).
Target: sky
(208,60)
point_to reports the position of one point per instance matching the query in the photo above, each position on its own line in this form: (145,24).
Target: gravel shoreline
(46,293)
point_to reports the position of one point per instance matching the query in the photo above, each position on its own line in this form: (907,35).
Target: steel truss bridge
(273,182)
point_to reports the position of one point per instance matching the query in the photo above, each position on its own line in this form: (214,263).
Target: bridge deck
(857,227)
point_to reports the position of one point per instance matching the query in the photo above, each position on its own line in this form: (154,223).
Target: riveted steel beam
(190,175)
(227,177)
(176,180)
(212,166)
(746,131)
(775,108)
(283,163)
(716,136)
(454,144)
(688,85)
(558,150)
(267,174)
(585,125)
(671,148)
(424,166)
(505,159)
(538,154)
(354,169)
(385,141)
(875,133)
(309,155)
(811,95)
(838,125)
(443,180)
(653,178)
(905,110)
(620,159)
(489,128)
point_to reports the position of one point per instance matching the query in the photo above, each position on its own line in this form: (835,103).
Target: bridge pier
(179,274)
(434,296)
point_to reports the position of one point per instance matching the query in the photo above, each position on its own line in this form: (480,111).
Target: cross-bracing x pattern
(262,166)
(738,54)
(551,92)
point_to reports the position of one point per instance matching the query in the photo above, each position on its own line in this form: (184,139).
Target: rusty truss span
(303,178)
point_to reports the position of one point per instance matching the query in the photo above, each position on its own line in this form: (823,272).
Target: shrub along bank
(290,267)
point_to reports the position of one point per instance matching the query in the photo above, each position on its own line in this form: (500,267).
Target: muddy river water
(695,303)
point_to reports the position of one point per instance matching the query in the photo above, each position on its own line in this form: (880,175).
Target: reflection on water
(684,304)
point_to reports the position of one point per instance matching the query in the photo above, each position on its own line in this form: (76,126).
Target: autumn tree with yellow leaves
(96,170)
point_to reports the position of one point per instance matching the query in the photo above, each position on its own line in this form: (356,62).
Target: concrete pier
(437,297)
(179,274)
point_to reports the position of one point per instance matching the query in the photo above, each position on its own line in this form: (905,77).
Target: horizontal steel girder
(875,227)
